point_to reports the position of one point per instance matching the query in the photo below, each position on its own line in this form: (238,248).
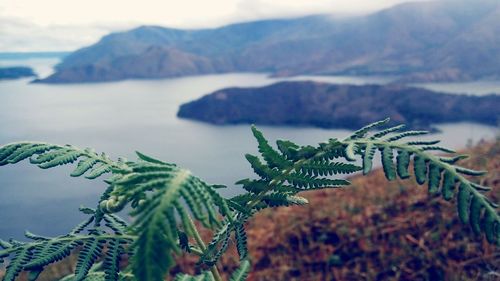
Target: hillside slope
(373,230)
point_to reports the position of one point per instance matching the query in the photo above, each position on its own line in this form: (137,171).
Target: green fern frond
(361,133)
(440,173)
(240,236)
(34,256)
(271,156)
(217,245)
(326,168)
(87,257)
(163,194)
(46,156)
(294,168)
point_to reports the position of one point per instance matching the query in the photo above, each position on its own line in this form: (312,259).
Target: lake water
(121,117)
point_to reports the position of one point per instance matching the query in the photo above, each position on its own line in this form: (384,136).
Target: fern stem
(203,247)
(68,239)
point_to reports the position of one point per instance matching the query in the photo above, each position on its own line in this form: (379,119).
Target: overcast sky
(53,25)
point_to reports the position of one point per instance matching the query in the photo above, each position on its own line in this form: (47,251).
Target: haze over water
(121,117)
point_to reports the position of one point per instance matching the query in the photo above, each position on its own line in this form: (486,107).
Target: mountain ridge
(421,41)
(324,105)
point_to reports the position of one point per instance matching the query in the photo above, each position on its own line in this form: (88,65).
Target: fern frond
(271,156)
(41,251)
(361,133)
(290,170)
(440,173)
(165,194)
(326,168)
(240,236)
(87,257)
(217,245)
(46,155)
(112,260)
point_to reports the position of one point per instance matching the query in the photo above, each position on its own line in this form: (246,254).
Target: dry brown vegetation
(374,230)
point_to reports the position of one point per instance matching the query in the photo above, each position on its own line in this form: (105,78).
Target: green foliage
(440,172)
(168,204)
(88,237)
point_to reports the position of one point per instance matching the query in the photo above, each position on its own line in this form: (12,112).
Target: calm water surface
(121,117)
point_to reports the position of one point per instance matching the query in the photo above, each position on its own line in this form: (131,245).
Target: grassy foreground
(374,230)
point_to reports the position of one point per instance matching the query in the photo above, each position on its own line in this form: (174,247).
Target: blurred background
(182,81)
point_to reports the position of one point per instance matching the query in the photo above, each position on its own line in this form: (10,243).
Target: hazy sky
(31,25)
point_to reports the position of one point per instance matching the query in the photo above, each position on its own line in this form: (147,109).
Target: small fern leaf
(413,143)
(27,151)
(490,225)
(259,168)
(305,182)
(111,263)
(434,178)
(90,252)
(83,166)
(406,134)
(81,226)
(63,159)
(437,148)
(475,215)
(420,168)
(217,246)
(253,186)
(368,155)
(271,156)
(469,172)
(325,168)
(454,159)
(403,162)
(21,256)
(361,133)
(387,163)
(388,131)
(6,151)
(448,185)
(241,241)
(150,159)
(288,148)
(241,273)
(51,252)
(98,171)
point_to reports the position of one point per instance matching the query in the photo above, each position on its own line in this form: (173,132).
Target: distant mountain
(448,40)
(16,72)
(31,55)
(339,106)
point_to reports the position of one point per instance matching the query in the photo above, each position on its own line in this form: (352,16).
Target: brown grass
(374,230)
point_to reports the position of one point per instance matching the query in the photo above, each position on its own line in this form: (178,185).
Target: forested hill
(448,40)
(339,106)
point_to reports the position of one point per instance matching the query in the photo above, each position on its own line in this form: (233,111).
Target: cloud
(19,35)
(62,25)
